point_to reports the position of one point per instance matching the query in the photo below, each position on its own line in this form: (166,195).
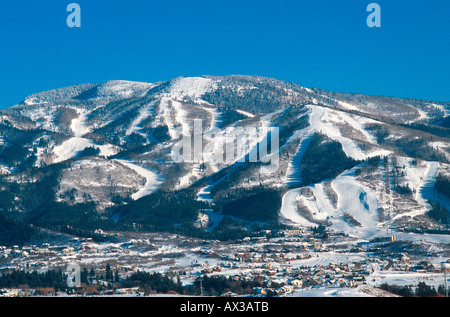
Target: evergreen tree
(108,274)
(84,276)
(92,275)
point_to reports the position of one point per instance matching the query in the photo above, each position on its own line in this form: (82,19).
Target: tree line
(421,290)
(105,280)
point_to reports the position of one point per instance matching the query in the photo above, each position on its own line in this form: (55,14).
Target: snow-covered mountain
(355,163)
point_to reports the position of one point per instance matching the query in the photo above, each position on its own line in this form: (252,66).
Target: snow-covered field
(360,291)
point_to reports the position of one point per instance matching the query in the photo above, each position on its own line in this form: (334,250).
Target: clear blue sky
(321,43)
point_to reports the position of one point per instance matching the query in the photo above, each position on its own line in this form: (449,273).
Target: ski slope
(358,201)
(354,199)
(72,147)
(289,209)
(245,113)
(136,125)
(153,179)
(293,173)
(78,125)
(322,119)
(205,194)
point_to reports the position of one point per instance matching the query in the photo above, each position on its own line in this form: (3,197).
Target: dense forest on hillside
(162,210)
(442,185)
(324,159)
(261,96)
(13,232)
(262,206)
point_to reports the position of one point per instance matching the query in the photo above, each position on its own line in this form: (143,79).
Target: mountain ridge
(109,146)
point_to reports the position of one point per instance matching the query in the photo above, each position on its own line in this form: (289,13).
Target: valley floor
(293,263)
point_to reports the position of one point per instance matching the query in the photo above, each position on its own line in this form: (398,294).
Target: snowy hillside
(358,164)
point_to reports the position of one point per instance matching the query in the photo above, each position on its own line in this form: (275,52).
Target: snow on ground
(350,148)
(122,89)
(319,204)
(321,120)
(231,146)
(289,209)
(426,184)
(4,170)
(181,115)
(442,148)
(144,112)
(205,194)
(422,114)
(246,113)
(165,115)
(342,104)
(97,179)
(193,87)
(42,115)
(346,105)
(360,291)
(293,172)
(419,176)
(215,117)
(191,177)
(402,278)
(70,148)
(358,125)
(360,202)
(153,179)
(78,125)
(414,172)
(73,146)
(258,135)
(172,111)
(354,199)
(427,191)
(445,109)
(357,202)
